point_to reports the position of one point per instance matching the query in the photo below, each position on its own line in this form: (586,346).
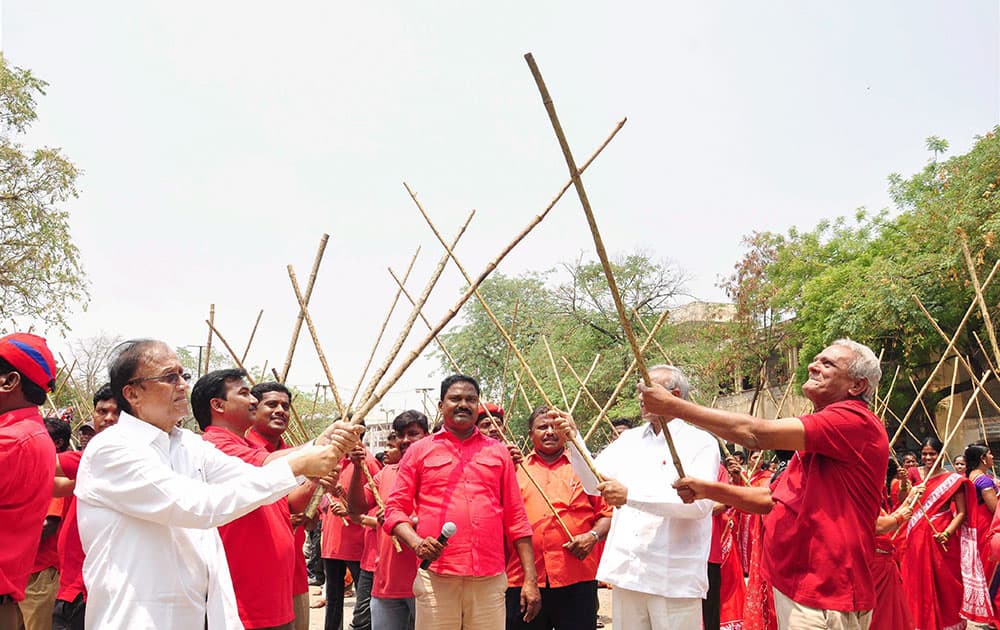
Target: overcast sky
(220,139)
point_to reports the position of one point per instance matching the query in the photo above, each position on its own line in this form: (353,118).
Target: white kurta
(148,507)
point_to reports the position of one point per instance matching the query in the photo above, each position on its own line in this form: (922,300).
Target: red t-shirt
(259,547)
(819,540)
(469,482)
(300,580)
(70,548)
(48,547)
(342,542)
(395,571)
(28,462)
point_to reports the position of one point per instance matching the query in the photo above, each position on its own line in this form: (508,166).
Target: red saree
(747,522)
(733,589)
(944,584)
(758,611)
(891,610)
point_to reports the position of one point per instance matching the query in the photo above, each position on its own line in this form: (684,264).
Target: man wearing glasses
(150,496)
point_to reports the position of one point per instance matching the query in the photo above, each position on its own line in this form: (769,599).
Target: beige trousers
(794,616)
(447,602)
(300,603)
(641,611)
(40,599)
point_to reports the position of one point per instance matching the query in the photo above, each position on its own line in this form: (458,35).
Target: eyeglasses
(173,379)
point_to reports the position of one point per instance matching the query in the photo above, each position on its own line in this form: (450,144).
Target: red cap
(495,410)
(30,356)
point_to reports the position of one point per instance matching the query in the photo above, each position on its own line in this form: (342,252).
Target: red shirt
(300,578)
(342,542)
(28,462)
(469,482)
(369,557)
(819,540)
(70,548)
(48,547)
(555,566)
(394,571)
(259,547)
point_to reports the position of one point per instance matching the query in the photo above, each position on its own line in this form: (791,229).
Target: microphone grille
(448,529)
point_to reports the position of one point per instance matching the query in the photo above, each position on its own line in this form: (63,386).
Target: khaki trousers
(795,616)
(448,602)
(40,599)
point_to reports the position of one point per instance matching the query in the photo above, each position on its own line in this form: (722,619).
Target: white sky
(220,139)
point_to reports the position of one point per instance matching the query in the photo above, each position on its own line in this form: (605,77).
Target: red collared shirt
(71,554)
(819,540)
(28,462)
(345,542)
(394,570)
(555,566)
(469,482)
(300,580)
(259,547)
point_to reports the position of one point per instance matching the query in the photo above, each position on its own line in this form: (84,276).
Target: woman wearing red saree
(942,575)
(748,523)
(979,460)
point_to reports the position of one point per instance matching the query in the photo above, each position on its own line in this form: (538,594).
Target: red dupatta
(733,590)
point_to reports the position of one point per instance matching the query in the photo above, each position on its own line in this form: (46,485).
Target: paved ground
(317,614)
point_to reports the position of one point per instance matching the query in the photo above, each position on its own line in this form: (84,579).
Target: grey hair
(865,365)
(677,379)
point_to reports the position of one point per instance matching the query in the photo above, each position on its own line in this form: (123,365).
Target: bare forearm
(728,425)
(298,499)
(405,532)
(526,554)
(752,499)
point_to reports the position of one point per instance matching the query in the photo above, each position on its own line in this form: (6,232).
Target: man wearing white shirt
(656,555)
(150,496)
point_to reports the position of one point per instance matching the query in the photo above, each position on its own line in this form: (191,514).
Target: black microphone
(447,531)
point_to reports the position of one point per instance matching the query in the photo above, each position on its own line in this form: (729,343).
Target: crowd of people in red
(150,525)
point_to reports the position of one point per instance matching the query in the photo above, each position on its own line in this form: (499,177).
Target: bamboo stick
(381,331)
(555,372)
(501,429)
(506,358)
(621,383)
(304,311)
(984,311)
(968,367)
(253,332)
(413,302)
(298,320)
(986,356)
(408,325)
(598,244)
(451,313)
(892,385)
(944,355)
(208,344)
(496,323)
(583,385)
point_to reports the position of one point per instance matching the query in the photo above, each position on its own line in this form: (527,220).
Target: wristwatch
(597,537)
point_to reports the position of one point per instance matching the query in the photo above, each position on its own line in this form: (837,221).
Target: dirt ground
(316,615)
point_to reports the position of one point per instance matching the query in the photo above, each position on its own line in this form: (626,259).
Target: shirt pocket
(483,476)
(437,473)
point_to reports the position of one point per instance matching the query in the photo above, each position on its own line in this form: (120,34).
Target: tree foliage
(859,276)
(40,272)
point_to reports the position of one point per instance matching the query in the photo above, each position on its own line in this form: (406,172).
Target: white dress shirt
(148,507)
(657,544)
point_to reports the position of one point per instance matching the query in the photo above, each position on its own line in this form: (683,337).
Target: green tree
(40,273)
